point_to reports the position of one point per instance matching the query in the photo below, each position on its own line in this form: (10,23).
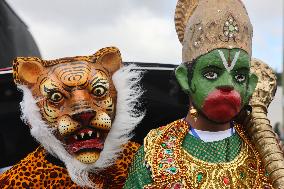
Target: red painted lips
(222,105)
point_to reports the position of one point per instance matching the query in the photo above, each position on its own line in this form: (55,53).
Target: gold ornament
(193,113)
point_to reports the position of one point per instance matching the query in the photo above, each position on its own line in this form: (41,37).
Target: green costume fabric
(138,175)
(214,152)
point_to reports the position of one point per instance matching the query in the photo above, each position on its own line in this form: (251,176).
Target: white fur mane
(127,117)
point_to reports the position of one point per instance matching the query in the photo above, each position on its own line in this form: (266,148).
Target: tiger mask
(73,111)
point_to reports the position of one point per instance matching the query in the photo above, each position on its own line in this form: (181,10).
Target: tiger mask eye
(55,97)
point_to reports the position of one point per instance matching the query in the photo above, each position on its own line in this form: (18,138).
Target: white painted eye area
(240,78)
(211,75)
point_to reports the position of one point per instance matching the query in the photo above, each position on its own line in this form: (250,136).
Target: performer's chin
(222,114)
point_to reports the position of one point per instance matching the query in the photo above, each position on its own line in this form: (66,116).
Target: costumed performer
(82,111)
(226,140)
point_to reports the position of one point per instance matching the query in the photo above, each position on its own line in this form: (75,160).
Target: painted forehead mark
(225,62)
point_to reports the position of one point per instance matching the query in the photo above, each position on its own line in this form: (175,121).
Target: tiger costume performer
(82,111)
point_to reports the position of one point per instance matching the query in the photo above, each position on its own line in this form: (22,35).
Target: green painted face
(221,83)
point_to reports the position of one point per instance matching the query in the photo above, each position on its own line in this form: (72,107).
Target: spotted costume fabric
(35,171)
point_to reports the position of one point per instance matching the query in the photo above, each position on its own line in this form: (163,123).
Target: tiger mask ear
(109,58)
(27,70)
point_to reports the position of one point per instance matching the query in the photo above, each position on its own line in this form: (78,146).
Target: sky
(142,29)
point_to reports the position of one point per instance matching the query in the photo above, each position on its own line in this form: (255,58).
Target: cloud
(64,28)
(264,10)
(143,30)
(85,13)
(267,19)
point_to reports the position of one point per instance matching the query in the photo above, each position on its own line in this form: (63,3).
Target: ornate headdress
(203,26)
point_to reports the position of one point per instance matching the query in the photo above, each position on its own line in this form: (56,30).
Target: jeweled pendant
(168,151)
(226,181)
(242,175)
(172,170)
(199,177)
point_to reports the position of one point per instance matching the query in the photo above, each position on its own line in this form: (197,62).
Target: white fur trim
(127,117)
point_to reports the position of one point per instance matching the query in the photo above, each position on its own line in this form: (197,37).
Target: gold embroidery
(173,167)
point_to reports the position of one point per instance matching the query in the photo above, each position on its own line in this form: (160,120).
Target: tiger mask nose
(84,117)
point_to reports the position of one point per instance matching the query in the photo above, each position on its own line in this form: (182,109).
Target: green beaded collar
(213,152)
